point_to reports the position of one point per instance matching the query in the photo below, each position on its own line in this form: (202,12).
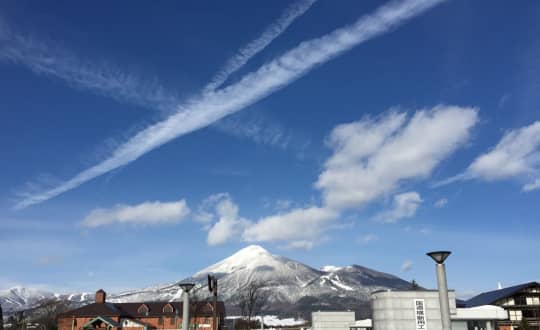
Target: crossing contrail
(273,31)
(210,106)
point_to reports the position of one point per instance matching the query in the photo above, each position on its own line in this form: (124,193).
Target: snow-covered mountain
(21,298)
(290,285)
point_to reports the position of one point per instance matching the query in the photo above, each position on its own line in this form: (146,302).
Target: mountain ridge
(290,285)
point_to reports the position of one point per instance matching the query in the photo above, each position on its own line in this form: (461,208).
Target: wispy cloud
(532,185)
(406,266)
(209,107)
(404,206)
(368,238)
(261,131)
(291,13)
(46,58)
(441,202)
(145,213)
(517,155)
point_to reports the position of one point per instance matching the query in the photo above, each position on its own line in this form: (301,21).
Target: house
(521,301)
(139,315)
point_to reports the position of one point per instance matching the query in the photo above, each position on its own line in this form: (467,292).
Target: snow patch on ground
(274,321)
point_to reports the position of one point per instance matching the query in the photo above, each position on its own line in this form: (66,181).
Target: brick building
(139,316)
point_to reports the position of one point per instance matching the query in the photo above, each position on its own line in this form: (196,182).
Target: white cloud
(372,156)
(532,185)
(209,107)
(370,159)
(404,206)
(206,209)
(145,213)
(302,224)
(301,244)
(441,202)
(283,204)
(406,266)
(221,218)
(425,231)
(291,13)
(516,155)
(368,238)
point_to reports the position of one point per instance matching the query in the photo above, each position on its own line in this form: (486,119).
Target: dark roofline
(491,297)
(408,290)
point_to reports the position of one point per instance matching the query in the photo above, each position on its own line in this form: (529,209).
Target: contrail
(52,60)
(101,78)
(211,106)
(254,47)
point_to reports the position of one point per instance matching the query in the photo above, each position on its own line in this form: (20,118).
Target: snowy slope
(20,298)
(288,283)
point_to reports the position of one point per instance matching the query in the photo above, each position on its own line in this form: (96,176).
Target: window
(530,314)
(160,321)
(172,321)
(515,315)
(168,309)
(520,300)
(143,309)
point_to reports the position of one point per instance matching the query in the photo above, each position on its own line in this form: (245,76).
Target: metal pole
(185,311)
(443,297)
(214,313)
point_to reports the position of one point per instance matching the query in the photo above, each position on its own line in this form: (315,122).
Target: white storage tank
(413,309)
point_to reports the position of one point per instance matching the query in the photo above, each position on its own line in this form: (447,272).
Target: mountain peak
(252,249)
(330,268)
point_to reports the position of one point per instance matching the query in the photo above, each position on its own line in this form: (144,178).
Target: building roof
(155,309)
(486,312)
(102,319)
(491,297)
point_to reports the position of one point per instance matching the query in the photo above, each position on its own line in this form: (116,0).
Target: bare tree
(46,312)
(251,299)
(16,321)
(1,318)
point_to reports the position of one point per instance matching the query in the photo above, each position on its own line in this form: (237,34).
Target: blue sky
(161,138)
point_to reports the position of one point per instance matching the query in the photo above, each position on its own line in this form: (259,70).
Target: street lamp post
(439,257)
(186,287)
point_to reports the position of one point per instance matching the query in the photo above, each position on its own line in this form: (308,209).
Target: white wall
(331,320)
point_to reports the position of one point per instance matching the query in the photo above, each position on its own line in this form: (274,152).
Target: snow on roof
(366,323)
(274,321)
(484,312)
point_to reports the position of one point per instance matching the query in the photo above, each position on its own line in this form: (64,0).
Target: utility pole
(213,287)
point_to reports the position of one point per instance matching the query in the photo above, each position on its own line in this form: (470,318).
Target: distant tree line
(44,313)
